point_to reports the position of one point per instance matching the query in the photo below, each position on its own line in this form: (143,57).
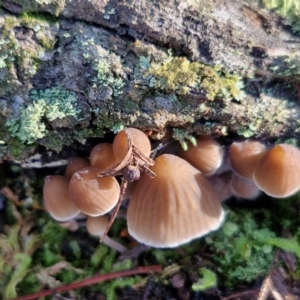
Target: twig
(121,196)
(90,281)
(267,284)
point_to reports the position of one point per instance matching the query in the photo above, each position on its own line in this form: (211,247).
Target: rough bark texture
(72,70)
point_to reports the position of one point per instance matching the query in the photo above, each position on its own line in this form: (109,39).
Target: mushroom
(221,185)
(75,164)
(93,194)
(71,225)
(132,148)
(278,173)
(245,156)
(176,206)
(97,226)
(57,200)
(243,187)
(102,156)
(206,156)
(138,139)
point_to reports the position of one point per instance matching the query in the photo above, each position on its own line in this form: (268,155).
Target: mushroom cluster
(254,168)
(174,198)
(171,202)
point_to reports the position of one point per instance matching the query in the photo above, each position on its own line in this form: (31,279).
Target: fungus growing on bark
(245,156)
(221,185)
(132,147)
(206,156)
(102,157)
(92,194)
(176,206)
(138,139)
(96,225)
(278,173)
(57,200)
(243,187)
(75,164)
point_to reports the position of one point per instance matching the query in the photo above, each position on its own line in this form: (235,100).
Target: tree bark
(74,70)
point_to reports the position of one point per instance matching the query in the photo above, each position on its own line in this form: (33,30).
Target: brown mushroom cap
(278,173)
(76,164)
(176,206)
(245,156)
(206,156)
(57,200)
(71,225)
(96,225)
(243,187)
(102,156)
(138,139)
(93,195)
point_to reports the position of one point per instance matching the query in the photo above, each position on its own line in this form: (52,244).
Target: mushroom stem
(113,244)
(117,207)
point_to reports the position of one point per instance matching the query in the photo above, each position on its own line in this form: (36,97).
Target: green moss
(16,149)
(244,247)
(110,288)
(179,75)
(47,105)
(208,280)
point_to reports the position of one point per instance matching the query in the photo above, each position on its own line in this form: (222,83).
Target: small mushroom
(206,156)
(57,200)
(176,206)
(102,156)
(138,139)
(243,187)
(71,225)
(221,185)
(97,226)
(245,156)
(75,164)
(278,173)
(92,194)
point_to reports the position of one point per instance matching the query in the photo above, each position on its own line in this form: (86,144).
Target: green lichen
(246,132)
(17,57)
(182,136)
(47,105)
(106,78)
(109,79)
(41,25)
(117,127)
(179,75)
